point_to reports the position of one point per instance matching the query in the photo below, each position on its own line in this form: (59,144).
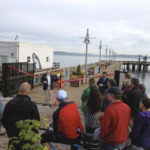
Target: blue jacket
(140,134)
(105,84)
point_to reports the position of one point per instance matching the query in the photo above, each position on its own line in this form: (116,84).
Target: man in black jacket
(134,97)
(47,81)
(103,83)
(19,108)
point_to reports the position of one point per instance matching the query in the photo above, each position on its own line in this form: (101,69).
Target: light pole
(100,51)
(106,53)
(109,53)
(16,39)
(86,41)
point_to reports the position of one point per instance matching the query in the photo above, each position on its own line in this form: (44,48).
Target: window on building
(47,59)
(28,59)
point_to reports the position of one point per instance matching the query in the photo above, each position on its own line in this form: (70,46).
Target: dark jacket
(144,96)
(66,120)
(19,108)
(105,85)
(133,100)
(106,101)
(45,85)
(1,110)
(140,134)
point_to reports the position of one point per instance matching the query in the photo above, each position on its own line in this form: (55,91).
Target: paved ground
(74,94)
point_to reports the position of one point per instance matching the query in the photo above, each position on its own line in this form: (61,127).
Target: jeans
(111,147)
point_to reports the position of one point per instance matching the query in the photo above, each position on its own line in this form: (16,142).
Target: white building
(17,51)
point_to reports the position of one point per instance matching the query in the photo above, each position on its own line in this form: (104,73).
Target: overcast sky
(123,25)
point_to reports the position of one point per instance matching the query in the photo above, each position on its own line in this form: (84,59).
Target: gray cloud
(122,25)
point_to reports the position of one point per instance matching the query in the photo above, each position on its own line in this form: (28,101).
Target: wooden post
(128,67)
(133,67)
(139,67)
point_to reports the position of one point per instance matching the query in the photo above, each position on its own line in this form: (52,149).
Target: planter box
(76,83)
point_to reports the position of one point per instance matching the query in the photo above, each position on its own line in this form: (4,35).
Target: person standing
(19,108)
(47,81)
(134,97)
(85,95)
(103,83)
(93,105)
(106,102)
(126,81)
(143,89)
(140,134)
(114,123)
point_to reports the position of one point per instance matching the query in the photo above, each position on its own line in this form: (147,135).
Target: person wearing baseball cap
(61,95)
(114,124)
(66,120)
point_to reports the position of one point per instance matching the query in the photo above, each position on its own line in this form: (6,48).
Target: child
(97,131)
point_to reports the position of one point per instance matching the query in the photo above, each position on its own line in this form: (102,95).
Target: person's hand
(45,82)
(100,84)
(131,123)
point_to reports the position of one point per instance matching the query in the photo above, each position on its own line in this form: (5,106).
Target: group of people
(109,114)
(116,115)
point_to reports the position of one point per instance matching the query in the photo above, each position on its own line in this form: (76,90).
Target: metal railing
(12,78)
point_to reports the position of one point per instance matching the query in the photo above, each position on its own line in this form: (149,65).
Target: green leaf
(45,148)
(26,147)
(27,135)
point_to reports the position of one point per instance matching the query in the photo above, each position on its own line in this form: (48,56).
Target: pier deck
(135,63)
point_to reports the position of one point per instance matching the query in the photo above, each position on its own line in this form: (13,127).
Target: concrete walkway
(74,94)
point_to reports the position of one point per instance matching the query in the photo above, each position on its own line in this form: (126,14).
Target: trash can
(117,77)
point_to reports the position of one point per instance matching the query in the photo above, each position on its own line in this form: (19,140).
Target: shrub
(78,71)
(28,136)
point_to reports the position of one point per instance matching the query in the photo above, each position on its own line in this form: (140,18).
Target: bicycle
(86,140)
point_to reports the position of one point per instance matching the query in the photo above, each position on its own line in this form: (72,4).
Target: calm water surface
(67,61)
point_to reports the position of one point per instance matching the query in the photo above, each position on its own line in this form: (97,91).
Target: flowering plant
(55,73)
(78,72)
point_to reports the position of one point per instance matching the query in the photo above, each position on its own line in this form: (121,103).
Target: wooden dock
(132,65)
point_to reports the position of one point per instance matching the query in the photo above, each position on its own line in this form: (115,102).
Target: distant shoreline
(94,55)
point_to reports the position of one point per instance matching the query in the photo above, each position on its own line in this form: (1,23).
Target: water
(68,60)
(144,78)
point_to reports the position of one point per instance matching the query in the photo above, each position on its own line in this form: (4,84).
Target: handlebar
(87,141)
